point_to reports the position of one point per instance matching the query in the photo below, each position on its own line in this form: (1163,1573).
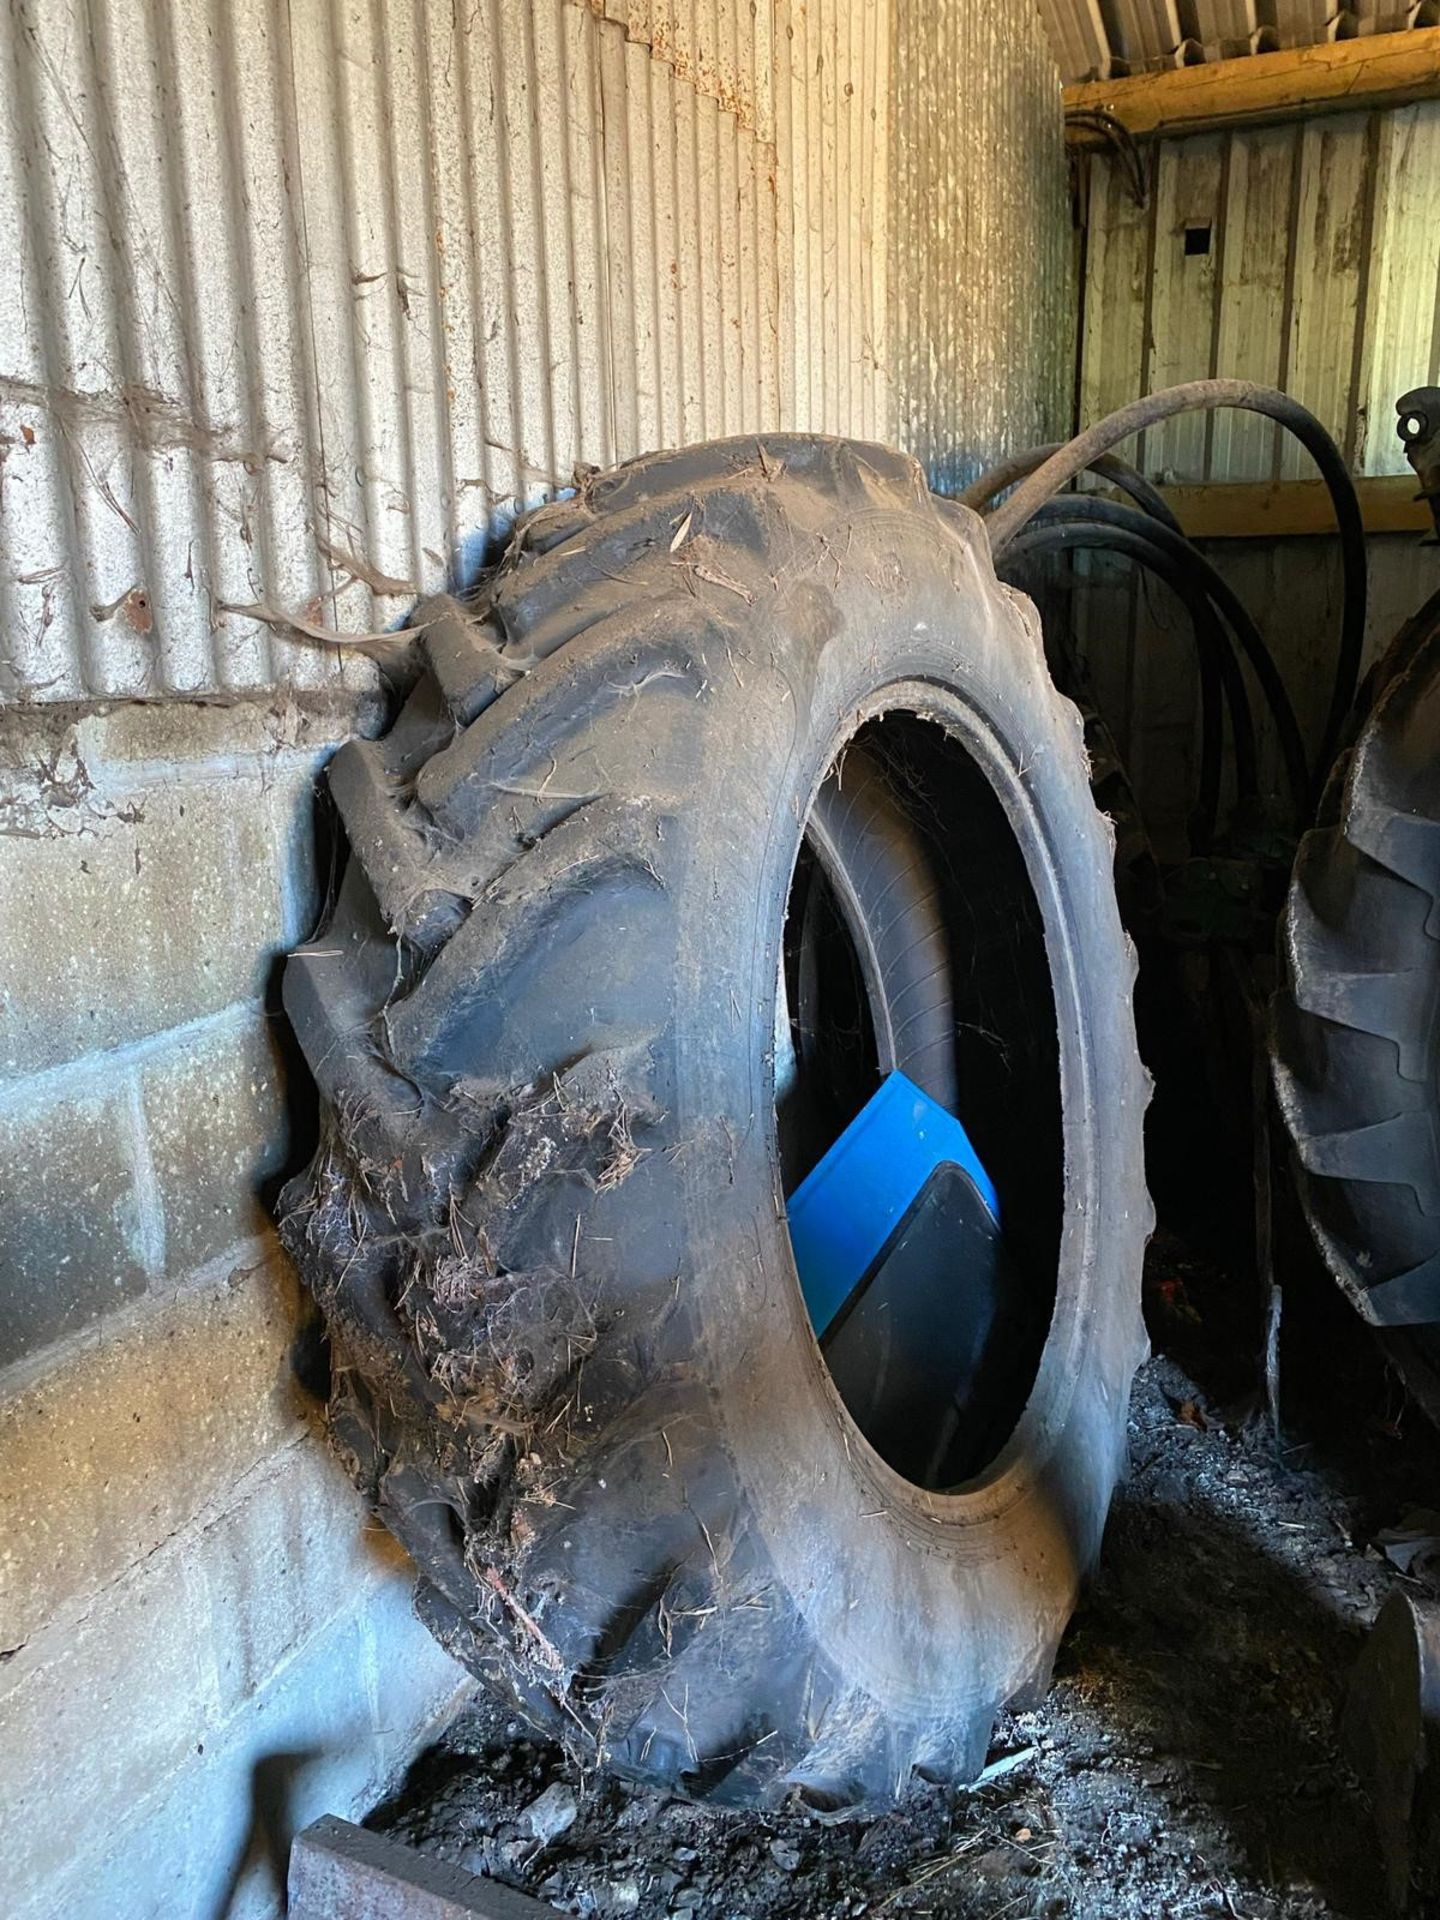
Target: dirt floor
(1186,1761)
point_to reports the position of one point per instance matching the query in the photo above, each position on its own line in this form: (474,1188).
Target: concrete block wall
(204,1642)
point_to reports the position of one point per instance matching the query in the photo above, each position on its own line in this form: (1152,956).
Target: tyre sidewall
(939,1601)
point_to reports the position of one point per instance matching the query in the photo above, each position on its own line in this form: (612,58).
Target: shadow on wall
(274,1822)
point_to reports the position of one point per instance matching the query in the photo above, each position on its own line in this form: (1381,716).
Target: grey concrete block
(119,1443)
(341,1872)
(294,811)
(153,864)
(102,1706)
(253,727)
(76,1237)
(209,1642)
(122,918)
(290,1553)
(268,1630)
(90,1715)
(215,1120)
(332,1729)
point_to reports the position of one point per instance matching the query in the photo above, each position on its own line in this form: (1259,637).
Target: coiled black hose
(1219,670)
(1108,466)
(1076,455)
(1207,583)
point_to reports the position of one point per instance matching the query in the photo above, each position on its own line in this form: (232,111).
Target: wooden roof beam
(1380,70)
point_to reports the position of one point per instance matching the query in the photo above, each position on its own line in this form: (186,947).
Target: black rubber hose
(1073,458)
(1214,586)
(1219,671)
(1220,676)
(1218,665)
(1109,466)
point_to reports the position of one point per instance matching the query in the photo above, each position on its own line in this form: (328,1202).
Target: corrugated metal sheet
(983,302)
(1099,39)
(1305,255)
(307,293)
(1078,38)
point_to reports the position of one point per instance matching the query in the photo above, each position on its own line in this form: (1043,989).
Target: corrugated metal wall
(1306,256)
(308,291)
(983,278)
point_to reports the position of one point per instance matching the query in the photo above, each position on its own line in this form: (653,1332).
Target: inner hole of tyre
(914,942)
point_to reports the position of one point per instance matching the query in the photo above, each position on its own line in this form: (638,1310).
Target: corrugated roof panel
(1077,34)
(1223,29)
(1146,32)
(1305,23)
(1093,38)
(1393,16)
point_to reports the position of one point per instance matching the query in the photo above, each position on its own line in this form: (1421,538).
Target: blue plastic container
(847,1207)
(917,1309)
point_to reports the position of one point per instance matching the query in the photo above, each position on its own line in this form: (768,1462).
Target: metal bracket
(1418,426)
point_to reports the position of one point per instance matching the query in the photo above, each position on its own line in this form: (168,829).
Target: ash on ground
(1186,1762)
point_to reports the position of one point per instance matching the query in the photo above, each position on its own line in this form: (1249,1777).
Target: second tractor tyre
(1357,1016)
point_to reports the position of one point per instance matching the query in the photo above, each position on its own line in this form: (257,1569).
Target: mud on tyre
(571,1362)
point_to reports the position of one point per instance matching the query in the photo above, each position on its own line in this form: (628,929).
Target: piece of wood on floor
(342,1872)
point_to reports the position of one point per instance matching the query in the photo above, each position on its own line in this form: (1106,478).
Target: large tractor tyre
(1357,1016)
(546,1222)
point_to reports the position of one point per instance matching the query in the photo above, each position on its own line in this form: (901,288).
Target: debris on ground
(1187,1762)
